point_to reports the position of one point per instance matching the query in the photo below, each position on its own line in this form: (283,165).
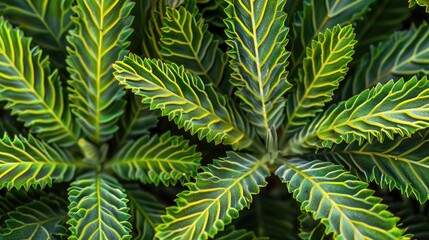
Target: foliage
(295,110)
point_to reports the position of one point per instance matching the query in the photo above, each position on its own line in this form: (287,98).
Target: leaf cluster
(109,108)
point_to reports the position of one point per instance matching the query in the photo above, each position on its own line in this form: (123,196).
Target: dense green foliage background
(212,119)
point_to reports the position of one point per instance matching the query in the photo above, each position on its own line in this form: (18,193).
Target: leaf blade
(40,219)
(324,68)
(316,17)
(400,163)
(257,36)
(31,163)
(31,90)
(164,158)
(47,22)
(146,211)
(137,120)
(385,110)
(206,207)
(98,208)
(185,39)
(96,42)
(404,54)
(343,203)
(185,99)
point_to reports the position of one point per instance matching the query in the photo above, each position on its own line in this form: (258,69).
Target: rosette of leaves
(288,62)
(80,129)
(67,122)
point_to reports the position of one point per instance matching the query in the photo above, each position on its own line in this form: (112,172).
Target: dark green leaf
(230,233)
(324,68)
(31,163)
(257,36)
(15,198)
(344,204)
(31,90)
(386,110)
(40,219)
(316,17)
(98,208)
(401,163)
(164,158)
(47,22)
(184,98)
(220,191)
(187,41)
(312,229)
(136,121)
(146,211)
(96,42)
(404,54)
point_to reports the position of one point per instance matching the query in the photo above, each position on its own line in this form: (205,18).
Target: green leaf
(15,198)
(220,191)
(137,120)
(98,208)
(31,163)
(96,42)
(146,211)
(312,229)
(40,219)
(316,17)
(385,110)
(186,40)
(184,98)
(401,163)
(47,22)
(405,54)
(343,203)
(230,233)
(257,36)
(31,90)
(164,158)
(324,68)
